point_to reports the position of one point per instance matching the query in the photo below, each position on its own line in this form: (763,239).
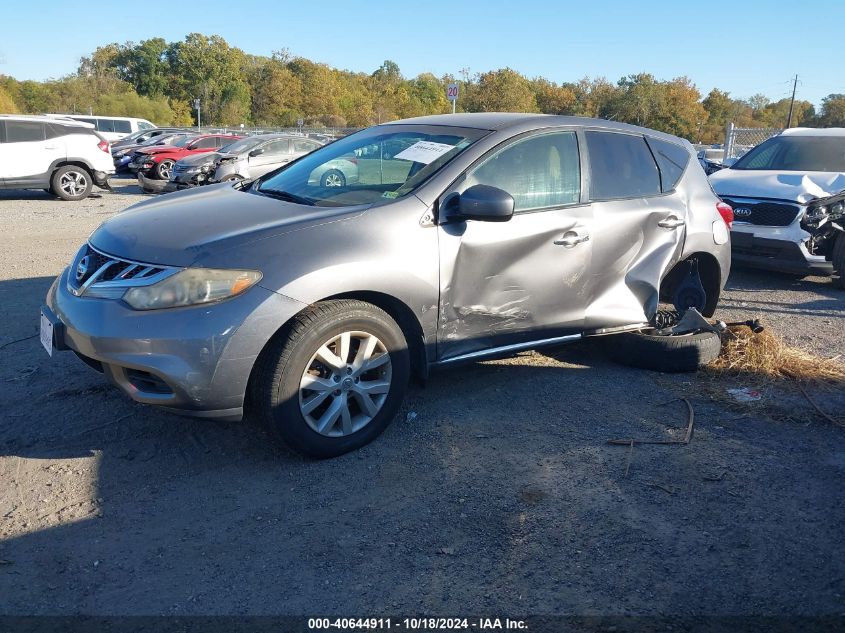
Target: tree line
(158,80)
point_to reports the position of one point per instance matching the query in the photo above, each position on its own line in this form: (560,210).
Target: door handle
(672,222)
(572,238)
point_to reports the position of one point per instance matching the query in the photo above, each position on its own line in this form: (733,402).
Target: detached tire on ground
(681,353)
(333,380)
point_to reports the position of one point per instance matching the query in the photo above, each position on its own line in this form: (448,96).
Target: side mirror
(484,203)
(257,152)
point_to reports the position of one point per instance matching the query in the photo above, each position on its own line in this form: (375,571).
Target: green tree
(503,90)
(833,111)
(553,98)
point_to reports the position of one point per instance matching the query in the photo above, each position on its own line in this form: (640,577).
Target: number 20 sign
(452,92)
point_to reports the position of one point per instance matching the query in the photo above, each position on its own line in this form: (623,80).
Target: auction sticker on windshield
(424,152)
(47,334)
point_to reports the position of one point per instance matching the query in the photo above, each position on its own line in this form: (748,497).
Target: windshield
(241,145)
(797,153)
(375,165)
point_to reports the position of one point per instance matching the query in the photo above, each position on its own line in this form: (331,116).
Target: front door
(276,153)
(526,279)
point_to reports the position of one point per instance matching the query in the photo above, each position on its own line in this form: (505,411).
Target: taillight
(726,212)
(104,145)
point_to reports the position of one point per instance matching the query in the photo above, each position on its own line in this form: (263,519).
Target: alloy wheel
(345,384)
(73,182)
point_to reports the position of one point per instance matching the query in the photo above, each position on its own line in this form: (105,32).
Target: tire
(292,359)
(669,354)
(838,260)
(70,182)
(333,178)
(232,178)
(163,170)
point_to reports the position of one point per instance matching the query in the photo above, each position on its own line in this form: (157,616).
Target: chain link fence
(739,140)
(314,132)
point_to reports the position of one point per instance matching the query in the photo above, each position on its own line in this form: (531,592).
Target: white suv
(62,156)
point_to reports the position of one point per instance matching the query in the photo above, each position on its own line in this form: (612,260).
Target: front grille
(764,212)
(96,274)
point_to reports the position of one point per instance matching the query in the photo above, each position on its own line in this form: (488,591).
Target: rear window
(621,166)
(24,131)
(672,160)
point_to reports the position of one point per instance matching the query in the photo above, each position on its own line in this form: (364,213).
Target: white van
(113,128)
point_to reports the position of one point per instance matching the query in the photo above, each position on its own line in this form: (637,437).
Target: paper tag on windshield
(424,152)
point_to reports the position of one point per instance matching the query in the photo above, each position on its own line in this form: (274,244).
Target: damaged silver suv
(310,305)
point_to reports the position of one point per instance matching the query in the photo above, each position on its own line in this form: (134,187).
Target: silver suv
(257,155)
(788,195)
(312,305)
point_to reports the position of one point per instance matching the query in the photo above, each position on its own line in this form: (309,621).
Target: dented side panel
(508,282)
(631,254)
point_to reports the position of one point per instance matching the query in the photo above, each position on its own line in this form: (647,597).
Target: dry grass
(765,355)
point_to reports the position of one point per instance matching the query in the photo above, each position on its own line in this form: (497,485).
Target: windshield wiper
(285,195)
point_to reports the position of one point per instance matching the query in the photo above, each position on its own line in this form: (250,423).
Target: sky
(742,47)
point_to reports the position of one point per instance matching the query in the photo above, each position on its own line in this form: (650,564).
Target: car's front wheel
(71,183)
(164,169)
(334,379)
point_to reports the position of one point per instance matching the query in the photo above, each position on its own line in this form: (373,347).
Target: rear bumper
(748,249)
(193,360)
(101,179)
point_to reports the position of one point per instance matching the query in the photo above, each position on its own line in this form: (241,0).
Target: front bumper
(194,360)
(749,248)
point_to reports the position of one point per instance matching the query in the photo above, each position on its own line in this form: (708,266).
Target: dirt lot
(494,492)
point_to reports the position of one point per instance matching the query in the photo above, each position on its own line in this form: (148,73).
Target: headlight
(192,170)
(192,286)
(206,167)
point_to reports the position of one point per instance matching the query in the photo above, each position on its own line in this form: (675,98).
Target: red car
(157,161)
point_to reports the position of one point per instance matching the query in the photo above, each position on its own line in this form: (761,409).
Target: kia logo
(742,212)
(82,267)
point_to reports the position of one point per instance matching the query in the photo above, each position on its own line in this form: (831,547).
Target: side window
(124,127)
(672,160)
(205,143)
(24,131)
(55,130)
(621,166)
(105,125)
(221,141)
(277,147)
(541,171)
(304,146)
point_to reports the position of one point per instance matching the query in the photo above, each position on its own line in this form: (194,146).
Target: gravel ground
(494,491)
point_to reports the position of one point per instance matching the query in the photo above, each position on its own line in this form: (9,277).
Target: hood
(195,160)
(789,185)
(158,149)
(180,228)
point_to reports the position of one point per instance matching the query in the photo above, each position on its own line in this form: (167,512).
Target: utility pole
(199,121)
(792,103)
